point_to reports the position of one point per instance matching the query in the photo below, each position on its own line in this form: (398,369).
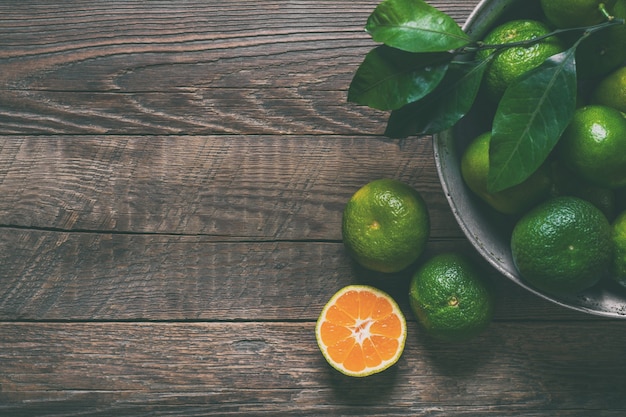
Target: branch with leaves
(425,72)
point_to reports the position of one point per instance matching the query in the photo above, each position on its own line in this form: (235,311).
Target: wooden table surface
(173,175)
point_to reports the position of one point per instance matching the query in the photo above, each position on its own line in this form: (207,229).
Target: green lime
(574,13)
(594,145)
(620,199)
(385,225)
(619,249)
(514,200)
(611,91)
(451,298)
(512,62)
(604,50)
(567,183)
(562,246)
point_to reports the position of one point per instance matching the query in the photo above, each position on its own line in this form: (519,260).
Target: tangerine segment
(382,308)
(370,353)
(367,300)
(340,351)
(390,327)
(349,303)
(334,334)
(339,317)
(385,347)
(361,331)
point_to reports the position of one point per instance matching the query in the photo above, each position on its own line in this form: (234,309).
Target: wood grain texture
(172,177)
(197,68)
(230,187)
(113,277)
(207,67)
(219,369)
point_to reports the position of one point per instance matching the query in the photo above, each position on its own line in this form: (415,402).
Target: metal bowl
(488,231)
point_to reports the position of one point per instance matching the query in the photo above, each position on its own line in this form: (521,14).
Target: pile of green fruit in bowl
(527,107)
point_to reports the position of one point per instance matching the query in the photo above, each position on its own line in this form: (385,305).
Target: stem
(605,12)
(587,30)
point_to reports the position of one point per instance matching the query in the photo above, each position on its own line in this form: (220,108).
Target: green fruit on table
(574,13)
(450,298)
(566,183)
(619,249)
(514,200)
(562,246)
(510,63)
(605,50)
(594,146)
(385,225)
(611,91)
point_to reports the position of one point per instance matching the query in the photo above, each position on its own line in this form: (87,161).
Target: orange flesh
(361,330)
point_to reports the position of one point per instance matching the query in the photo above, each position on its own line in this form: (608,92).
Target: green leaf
(442,108)
(531,116)
(389,78)
(415,26)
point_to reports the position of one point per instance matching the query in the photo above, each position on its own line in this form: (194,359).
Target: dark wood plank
(173,175)
(89,276)
(516,369)
(230,187)
(202,68)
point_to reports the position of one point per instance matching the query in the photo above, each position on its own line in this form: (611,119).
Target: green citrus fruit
(594,145)
(510,63)
(562,246)
(619,249)
(604,50)
(611,91)
(514,200)
(620,199)
(574,13)
(566,183)
(385,225)
(451,298)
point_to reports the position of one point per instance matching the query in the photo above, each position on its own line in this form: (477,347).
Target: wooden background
(172,176)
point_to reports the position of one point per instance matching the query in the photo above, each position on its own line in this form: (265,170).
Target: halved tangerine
(361,331)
